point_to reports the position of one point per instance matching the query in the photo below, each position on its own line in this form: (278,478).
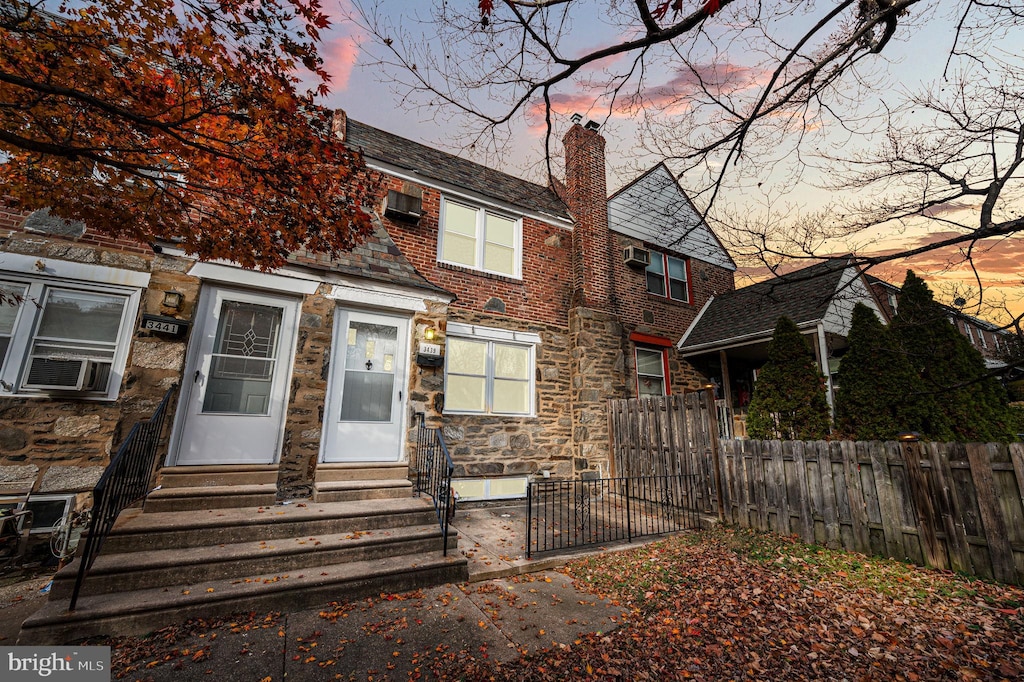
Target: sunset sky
(368,93)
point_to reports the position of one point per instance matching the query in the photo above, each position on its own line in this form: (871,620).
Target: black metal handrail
(434,469)
(574,513)
(124,482)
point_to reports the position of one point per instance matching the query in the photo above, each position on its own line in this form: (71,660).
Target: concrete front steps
(163,567)
(343,482)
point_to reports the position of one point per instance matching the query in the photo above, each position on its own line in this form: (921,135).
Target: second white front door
(364,417)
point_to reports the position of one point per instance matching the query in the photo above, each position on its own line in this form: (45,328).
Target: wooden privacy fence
(668,436)
(946,505)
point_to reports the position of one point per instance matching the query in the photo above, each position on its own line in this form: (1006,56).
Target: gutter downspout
(823,366)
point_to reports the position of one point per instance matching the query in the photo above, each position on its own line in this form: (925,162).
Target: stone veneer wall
(62,445)
(488,446)
(304,420)
(597,374)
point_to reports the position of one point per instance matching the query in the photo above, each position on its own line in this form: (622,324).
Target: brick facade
(575,294)
(543,292)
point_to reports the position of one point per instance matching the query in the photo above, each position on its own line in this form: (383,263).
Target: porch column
(727,389)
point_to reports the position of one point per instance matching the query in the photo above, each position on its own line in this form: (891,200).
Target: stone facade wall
(486,446)
(303,429)
(63,444)
(597,374)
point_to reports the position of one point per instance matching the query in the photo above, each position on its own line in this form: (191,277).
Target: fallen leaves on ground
(733,604)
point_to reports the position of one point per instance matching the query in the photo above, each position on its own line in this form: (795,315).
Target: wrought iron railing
(434,469)
(124,482)
(562,515)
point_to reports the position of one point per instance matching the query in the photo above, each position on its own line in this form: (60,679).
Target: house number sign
(164,325)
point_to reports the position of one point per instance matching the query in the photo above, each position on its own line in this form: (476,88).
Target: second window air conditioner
(635,257)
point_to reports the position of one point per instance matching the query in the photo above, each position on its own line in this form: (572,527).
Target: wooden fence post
(921,494)
(991,516)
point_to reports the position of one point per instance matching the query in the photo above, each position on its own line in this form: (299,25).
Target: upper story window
(64,337)
(970,333)
(981,338)
(480,239)
(668,276)
(489,371)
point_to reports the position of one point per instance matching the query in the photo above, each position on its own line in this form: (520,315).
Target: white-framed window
(981,338)
(480,239)
(48,511)
(651,370)
(970,332)
(668,276)
(489,371)
(65,337)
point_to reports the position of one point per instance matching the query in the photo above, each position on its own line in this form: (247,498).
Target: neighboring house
(992,341)
(729,339)
(500,309)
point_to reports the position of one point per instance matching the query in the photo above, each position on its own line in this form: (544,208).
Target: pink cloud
(672,96)
(340,55)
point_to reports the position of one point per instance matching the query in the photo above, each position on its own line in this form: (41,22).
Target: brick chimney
(586,194)
(339,124)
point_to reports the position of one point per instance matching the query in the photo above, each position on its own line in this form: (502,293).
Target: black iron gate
(563,515)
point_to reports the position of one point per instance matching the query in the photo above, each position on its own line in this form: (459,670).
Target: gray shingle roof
(376,258)
(802,296)
(430,163)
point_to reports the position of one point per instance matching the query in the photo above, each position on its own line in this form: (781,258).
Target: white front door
(236,381)
(364,417)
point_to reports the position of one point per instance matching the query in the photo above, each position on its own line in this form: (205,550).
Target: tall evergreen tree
(789,396)
(875,380)
(971,407)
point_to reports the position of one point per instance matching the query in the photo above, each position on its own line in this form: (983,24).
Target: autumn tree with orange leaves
(181,120)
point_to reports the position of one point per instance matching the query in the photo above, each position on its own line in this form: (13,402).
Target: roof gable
(655,209)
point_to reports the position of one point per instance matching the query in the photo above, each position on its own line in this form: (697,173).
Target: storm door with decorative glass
(369,372)
(245,353)
(235,391)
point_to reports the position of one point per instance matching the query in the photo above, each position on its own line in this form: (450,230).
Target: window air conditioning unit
(405,207)
(635,257)
(67,374)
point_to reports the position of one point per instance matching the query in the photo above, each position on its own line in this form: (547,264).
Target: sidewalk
(391,637)
(511,605)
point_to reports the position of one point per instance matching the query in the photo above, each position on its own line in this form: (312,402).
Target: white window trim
(480,238)
(528,340)
(13,370)
(665,389)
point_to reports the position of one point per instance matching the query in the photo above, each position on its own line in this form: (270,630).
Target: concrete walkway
(511,605)
(391,637)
